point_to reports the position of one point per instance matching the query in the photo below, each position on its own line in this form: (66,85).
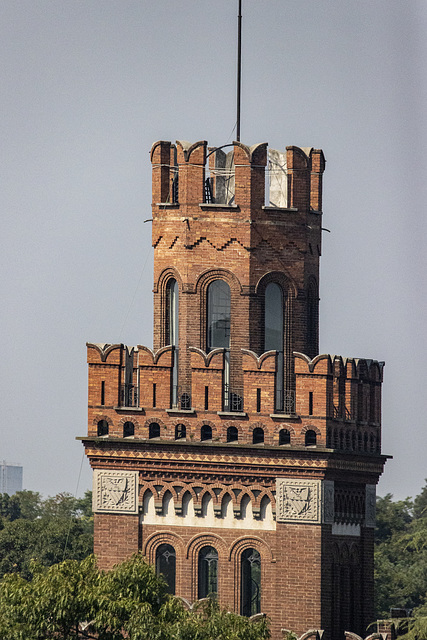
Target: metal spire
(239,67)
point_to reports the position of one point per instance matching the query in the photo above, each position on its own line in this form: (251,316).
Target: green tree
(400,553)
(75,600)
(48,530)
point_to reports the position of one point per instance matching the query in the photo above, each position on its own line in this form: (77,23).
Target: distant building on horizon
(10,478)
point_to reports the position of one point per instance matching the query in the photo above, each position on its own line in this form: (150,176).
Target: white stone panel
(115,491)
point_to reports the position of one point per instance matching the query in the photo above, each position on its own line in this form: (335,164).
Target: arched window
(172,312)
(232,434)
(284,436)
(180,431)
(206,432)
(154,430)
(128,429)
(258,435)
(208,572)
(102,428)
(273,318)
(250,583)
(312,318)
(274,337)
(310,438)
(218,315)
(172,331)
(166,565)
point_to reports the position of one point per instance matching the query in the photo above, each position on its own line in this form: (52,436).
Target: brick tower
(237,459)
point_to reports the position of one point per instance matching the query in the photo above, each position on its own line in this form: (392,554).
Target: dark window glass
(273,318)
(310,437)
(103,392)
(180,431)
(258,400)
(154,430)
(312,319)
(218,308)
(250,583)
(102,428)
(206,432)
(128,429)
(172,306)
(208,572)
(232,434)
(284,436)
(166,565)
(258,435)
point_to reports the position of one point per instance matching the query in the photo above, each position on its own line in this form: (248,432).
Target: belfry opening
(240,461)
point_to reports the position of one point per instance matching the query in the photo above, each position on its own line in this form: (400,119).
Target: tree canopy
(73,599)
(49,530)
(401,554)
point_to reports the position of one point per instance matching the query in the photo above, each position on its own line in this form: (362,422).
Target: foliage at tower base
(401,555)
(50,529)
(75,600)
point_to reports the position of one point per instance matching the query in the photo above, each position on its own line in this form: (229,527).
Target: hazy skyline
(87,87)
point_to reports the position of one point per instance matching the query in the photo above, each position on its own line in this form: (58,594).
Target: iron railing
(233,399)
(285,401)
(129,395)
(181,398)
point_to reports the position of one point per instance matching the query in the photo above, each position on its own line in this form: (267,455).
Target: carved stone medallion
(298,501)
(115,491)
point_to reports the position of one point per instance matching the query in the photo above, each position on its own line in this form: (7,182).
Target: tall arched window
(218,315)
(273,336)
(166,565)
(172,331)
(273,318)
(250,583)
(172,312)
(208,572)
(312,318)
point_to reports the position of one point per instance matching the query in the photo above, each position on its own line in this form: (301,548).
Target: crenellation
(234,410)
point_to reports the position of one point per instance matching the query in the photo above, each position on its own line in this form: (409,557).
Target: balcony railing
(285,401)
(341,412)
(181,398)
(129,395)
(233,399)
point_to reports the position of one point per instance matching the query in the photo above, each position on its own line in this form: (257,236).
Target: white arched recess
(207,517)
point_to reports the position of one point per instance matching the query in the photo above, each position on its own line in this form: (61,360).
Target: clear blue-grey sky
(87,85)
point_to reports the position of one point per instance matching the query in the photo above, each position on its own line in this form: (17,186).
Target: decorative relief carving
(298,500)
(370,505)
(328,502)
(115,491)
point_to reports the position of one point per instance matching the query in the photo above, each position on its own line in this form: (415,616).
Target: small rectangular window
(154,394)
(206,398)
(258,400)
(103,392)
(310,403)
